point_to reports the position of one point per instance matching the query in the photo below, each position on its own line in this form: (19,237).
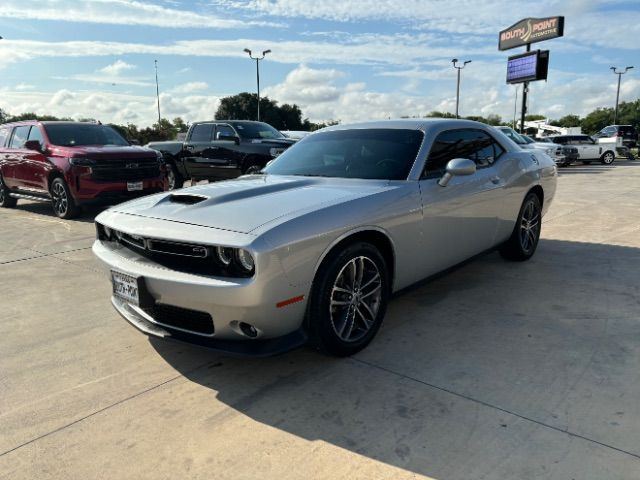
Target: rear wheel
(524,240)
(5,200)
(607,158)
(63,203)
(348,300)
(252,168)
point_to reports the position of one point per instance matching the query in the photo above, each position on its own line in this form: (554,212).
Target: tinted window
(4,134)
(513,135)
(559,140)
(225,130)
(375,153)
(20,135)
(202,132)
(36,134)
(77,134)
(256,130)
(475,145)
(583,140)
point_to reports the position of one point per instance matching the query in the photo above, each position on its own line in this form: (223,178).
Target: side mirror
(33,145)
(133,141)
(228,138)
(457,167)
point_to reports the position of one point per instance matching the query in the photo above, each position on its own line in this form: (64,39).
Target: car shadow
(87,215)
(597,167)
(459,360)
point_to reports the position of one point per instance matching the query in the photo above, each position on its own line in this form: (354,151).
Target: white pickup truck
(601,150)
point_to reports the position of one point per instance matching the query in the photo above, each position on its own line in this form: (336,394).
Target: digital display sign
(528,67)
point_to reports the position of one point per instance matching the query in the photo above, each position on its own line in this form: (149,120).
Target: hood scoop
(185,198)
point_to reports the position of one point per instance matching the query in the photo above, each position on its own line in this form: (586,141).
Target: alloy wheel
(608,158)
(529,226)
(60,200)
(355,299)
(171,179)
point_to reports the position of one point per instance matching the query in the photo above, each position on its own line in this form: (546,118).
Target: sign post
(524,33)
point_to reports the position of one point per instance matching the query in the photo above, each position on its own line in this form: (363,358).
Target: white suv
(562,156)
(589,149)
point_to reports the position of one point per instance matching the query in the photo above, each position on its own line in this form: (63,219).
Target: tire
(174,178)
(566,164)
(356,279)
(607,158)
(584,162)
(5,200)
(526,233)
(252,168)
(64,206)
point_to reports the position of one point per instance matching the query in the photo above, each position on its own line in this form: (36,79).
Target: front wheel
(525,236)
(174,179)
(5,200)
(64,206)
(348,300)
(607,158)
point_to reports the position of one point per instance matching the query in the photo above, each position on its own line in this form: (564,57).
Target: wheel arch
(376,236)
(539,191)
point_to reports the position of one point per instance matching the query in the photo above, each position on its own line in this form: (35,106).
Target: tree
(4,116)
(244,106)
(534,117)
(568,121)
(179,125)
(597,120)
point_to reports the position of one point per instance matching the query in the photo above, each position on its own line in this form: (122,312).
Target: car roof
(409,124)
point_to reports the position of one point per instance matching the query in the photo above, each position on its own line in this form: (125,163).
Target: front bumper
(228,302)
(89,192)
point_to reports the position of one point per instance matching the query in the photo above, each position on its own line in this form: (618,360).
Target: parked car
(221,149)
(72,164)
(312,248)
(295,134)
(588,148)
(563,156)
(628,133)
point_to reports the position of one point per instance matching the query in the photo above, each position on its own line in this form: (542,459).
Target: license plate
(125,287)
(134,186)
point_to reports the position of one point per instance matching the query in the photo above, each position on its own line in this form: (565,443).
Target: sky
(338,60)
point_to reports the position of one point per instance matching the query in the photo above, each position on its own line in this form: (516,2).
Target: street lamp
(257,59)
(157,92)
(615,70)
(454,61)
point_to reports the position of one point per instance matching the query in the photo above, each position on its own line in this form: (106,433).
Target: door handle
(189,147)
(496,180)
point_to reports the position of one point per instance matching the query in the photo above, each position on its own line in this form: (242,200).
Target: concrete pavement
(497,370)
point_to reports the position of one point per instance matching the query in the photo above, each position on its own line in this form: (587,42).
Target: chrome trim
(149,246)
(29,197)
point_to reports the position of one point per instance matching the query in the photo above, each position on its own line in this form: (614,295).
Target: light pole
(615,70)
(257,59)
(157,92)
(454,61)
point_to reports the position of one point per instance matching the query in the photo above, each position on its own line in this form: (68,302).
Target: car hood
(246,203)
(539,146)
(110,151)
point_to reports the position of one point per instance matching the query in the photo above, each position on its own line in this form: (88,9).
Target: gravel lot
(495,371)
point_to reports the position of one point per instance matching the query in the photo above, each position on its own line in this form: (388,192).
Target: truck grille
(125,170)
(569,150)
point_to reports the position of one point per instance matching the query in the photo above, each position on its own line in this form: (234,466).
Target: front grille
(182,318)
(569,150)
(125,170)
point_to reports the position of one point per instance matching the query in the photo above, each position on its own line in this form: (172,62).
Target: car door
(198,150)
(461,219)
(6,167)
(587,148)
(34,168)
(228,154)
(14,156)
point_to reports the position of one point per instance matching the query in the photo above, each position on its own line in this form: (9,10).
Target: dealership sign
(531,30)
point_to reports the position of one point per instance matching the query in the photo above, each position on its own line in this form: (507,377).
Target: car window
(256,130)
(224,130)
(4,134)
(80,134)
(36,134)
(202,132)
(20,135)
(475,145)
(583,140)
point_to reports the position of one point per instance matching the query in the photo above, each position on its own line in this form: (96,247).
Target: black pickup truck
(221,149)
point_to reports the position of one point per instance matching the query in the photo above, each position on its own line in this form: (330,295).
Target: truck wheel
(252,168)
(607,158)
(64,206)
(173,177)
(5,200)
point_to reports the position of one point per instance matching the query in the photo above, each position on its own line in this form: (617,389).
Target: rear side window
(20,135)
(475,145)
(4,134)
(202,132)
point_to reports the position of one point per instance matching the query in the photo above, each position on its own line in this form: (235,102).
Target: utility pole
(157,92)
(615,70)
(454,61)
(257,59)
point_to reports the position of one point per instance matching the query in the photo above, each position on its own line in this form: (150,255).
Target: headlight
(225,255)
(276,151)
(159,157)
(551,152)
(245,260)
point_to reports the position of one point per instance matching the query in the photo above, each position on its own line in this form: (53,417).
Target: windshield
(383,154)
(254,130)
(527,139)
(513,135)
(78,134)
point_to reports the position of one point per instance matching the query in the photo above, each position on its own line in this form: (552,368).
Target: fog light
(249,330)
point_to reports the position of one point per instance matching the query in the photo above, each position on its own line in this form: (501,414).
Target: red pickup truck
(72,164)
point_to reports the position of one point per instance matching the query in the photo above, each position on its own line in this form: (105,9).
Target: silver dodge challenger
(311,248)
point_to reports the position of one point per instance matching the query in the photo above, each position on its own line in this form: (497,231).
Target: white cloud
(190,87)
(117,68)
(111,74)
(118,12)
